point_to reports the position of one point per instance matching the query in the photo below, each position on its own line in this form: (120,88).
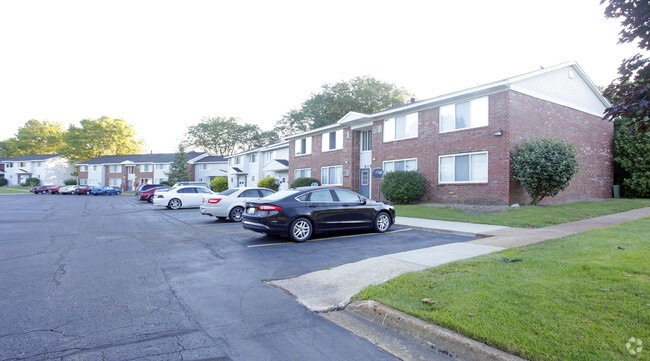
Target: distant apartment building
(245,169)
(51,169)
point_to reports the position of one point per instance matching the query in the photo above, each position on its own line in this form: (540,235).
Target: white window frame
(366,140)
(479,115)
(115,168)
(338,175)
(270,156)
(146,168)
(303,172)
(252,158)
(410,124)
(9,165)
(83,181)
(83,168)
(389,165)
(298,151)
(161,166)
(115,182)
(470,171)
(338,141)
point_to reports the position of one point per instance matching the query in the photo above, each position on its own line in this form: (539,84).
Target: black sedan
(301,212)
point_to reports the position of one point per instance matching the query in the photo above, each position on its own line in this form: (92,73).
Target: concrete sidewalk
(332,289)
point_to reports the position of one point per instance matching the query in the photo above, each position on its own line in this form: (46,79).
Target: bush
(543,166)
(32,182)
(268,182)
(401,187)
(632,162)
(219,184)
(3,182)
(304,182)
(70,182)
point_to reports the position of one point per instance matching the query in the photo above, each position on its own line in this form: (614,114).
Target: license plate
(251,210)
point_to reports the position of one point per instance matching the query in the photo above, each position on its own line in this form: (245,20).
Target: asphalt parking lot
(113,278)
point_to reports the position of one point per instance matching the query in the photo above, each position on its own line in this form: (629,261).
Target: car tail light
(214,200)
(268,207)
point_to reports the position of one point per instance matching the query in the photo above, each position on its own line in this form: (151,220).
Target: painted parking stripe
(328,238)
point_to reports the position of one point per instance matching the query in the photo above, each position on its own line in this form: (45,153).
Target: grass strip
(575,298)
(527,216)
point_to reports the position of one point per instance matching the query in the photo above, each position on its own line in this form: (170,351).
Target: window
(188,190)
(471,114)
(463,168)
(83,181)
(302,173)
(332,141)
(346,196)
(38,164)
(204,166)
(365,177)
(265,192)
(270,156)
(10,165)
(252,158)
(332,175)
(303,146)
(321,196)
(366,140)
(83,168)
(238,160)
(402,127)
(161,166)
(400,164)
(22,164)
(115,169)
(146,168)
(115,182)
(94,167)
(249,193)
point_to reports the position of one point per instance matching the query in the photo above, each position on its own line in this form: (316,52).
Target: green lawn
(575,298)
(528,216)
(14,190)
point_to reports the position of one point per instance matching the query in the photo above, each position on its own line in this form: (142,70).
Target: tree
(631,156)
(219,184)
(99,137)
(225,136)
(178,171)
(543,166)
(630,92)
(35,137)
(362,94)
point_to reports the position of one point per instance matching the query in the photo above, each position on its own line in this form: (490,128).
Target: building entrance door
(364,182)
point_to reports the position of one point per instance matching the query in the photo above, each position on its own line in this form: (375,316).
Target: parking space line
(327,238)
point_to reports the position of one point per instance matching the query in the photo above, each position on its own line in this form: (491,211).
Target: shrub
(70,182)
(304,182)
(219,184)
(543,166)
(3,182)
(268,182)
(632,161)
(402,187)
(32,182)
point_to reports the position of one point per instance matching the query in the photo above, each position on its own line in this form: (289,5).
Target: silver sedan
(231,202)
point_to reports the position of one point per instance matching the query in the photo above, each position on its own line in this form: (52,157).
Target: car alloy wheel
(300,230)
(236,214)
(175,203)
(382,222)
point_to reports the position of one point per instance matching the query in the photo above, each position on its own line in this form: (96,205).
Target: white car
(67,189)
(183,196)
(232,202)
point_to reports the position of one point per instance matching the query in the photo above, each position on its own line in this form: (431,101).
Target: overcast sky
(164,65)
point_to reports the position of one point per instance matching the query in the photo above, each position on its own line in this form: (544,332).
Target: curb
(442,339)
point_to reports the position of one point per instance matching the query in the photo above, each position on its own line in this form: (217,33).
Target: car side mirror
(363,202)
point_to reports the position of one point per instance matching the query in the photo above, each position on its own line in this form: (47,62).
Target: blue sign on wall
(377,172)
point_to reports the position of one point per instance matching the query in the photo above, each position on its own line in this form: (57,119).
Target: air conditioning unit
(346,172)
(376,129)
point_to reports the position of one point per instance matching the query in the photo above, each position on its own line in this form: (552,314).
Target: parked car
(299,213)
(109,191)
(143,187)
(183,196)
(83,190)
(200,184)
(67,189)
(54,189)
(42,189)
(147,195)
(231,203)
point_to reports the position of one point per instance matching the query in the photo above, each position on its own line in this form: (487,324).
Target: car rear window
(228,192)
(280,195)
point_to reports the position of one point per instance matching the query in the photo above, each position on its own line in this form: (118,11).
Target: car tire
(236,214)
(300,230)
(382,222)
(150,199)
(175,203)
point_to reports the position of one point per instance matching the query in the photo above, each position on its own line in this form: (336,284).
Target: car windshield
(228,192)
(280,195)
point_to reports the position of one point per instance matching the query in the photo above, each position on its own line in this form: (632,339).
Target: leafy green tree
(225,136)
(362,94)
(178,171)
(268,182)
(219,184)
(401,187)
(99,137)
(630,92)
(35,137)
(633,164)
(543,166)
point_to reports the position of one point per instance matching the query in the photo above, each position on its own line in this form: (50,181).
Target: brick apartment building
(461,141)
